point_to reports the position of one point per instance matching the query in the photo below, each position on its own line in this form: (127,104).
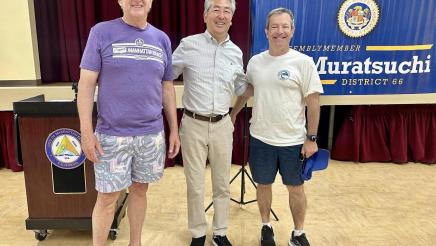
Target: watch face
(312,138)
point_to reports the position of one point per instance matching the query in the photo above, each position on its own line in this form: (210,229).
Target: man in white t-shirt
(285,82)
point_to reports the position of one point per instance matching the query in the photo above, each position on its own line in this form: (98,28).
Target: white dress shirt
(212,73)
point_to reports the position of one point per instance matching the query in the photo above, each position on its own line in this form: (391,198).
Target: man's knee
(195,192)
(264,188)
(295,189)
(221,185)
(139,189)
(107,200)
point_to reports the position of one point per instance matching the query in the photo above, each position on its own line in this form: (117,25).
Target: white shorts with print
(138,159)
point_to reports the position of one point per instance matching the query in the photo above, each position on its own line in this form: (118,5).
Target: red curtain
(7,146)
(388,133)
(63,27)
(62,30)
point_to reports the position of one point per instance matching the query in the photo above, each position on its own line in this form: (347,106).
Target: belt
(205,118)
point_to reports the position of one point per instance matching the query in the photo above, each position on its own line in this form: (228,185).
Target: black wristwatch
(312,138)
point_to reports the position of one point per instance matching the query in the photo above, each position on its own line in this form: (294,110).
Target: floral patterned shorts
(138,159)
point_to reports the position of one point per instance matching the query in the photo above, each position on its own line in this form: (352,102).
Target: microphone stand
(75,88)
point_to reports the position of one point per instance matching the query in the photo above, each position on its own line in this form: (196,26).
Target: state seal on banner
(357,18)
(63,149)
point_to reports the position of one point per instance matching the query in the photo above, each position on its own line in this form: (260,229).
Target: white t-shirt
(280,85)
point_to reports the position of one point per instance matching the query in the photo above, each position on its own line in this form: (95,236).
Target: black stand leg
(243,171)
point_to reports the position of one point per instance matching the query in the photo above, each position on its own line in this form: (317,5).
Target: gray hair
(208,5)
(278,11)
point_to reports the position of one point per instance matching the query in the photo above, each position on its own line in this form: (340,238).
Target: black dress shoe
(198,241)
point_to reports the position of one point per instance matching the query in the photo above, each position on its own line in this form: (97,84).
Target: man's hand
(240,102)
(233,117)
(90,146)
(309,148)
(174,143)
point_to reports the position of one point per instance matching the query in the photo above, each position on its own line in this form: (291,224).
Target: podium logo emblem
(62,148)
(357,18)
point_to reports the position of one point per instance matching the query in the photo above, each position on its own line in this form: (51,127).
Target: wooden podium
(57,198)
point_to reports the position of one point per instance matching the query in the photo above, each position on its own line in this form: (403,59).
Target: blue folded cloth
(318,161)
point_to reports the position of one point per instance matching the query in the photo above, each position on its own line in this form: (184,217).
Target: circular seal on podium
(63,149)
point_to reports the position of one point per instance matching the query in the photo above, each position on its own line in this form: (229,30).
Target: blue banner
(361,47)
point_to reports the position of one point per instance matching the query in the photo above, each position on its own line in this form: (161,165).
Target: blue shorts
(265,160)
(138,159)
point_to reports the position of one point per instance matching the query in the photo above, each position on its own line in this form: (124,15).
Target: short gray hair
(208,4)
(278,11)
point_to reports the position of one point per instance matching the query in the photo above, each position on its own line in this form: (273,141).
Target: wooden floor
(348,204)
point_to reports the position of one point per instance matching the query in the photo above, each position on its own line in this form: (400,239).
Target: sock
(298,233)
(267,224)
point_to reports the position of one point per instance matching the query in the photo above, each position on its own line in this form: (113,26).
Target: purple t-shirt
(132,63)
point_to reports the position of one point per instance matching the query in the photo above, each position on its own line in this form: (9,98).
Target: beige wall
(18,45)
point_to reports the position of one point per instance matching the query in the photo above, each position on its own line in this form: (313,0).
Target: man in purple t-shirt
(131,61)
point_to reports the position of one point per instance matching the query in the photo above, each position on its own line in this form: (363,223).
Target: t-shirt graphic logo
(283,75)
(139,42)
(137,51)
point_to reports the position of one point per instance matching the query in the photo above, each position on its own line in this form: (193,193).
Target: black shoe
(298,241)
(221,241)
(198,241)
(267,236)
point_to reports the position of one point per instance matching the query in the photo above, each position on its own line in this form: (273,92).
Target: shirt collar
(210,37)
